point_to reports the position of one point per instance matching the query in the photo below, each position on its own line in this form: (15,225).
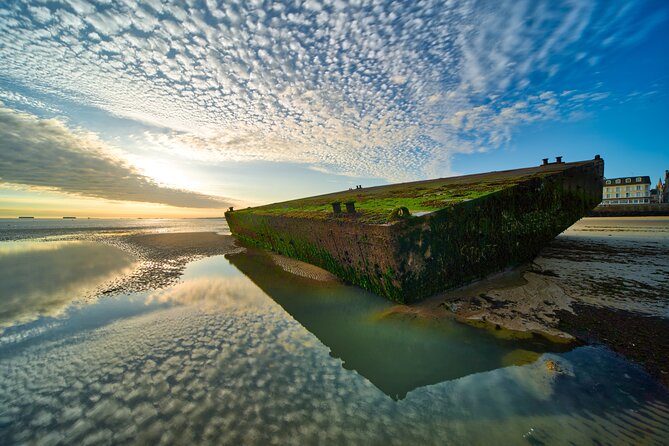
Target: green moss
(399,213)
(257,232)
(474,228)
(473,239)
(375,205)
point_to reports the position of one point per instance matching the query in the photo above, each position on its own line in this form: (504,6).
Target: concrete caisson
(409,259)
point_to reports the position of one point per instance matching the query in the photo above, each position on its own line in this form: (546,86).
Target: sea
(243,351)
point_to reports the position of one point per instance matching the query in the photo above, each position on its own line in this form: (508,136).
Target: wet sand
(163,257)
(639,337)
(603,281)
(303,269)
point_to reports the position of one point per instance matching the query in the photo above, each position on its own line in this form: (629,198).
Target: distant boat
(26,217)
(69,218)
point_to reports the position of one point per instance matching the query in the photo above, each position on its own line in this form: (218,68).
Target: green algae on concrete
(459,229)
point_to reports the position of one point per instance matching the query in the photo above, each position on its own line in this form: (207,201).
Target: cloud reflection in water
(184,376)
(225,365)
(43,278)
(214,294)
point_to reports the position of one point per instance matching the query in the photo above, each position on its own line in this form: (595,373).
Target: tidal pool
(242,351)
(44,277)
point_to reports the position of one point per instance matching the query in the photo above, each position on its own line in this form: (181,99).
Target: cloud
(46,153)
(13,97)
(366,88)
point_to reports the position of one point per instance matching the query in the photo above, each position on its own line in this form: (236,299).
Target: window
(627,189)
(628,180)
(617,189)
(617,195)
(638,188)
(608,195)
(638,179)
(618,181)
(608,181)
(627,195)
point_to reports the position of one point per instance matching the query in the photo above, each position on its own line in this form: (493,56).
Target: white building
(626,190)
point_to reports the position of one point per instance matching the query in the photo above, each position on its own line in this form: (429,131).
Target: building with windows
(654,196)
(626,190)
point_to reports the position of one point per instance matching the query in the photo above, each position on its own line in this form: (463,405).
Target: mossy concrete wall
(417,257)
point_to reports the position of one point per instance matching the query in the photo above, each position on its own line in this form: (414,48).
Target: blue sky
(193,106)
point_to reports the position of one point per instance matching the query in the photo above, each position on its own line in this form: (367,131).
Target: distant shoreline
(631,210)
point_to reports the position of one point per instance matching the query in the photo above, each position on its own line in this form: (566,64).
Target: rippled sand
(163,256)
(303,269)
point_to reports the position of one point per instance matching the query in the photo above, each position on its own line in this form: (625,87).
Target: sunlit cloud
(385,89)
(45,153)
(14,97)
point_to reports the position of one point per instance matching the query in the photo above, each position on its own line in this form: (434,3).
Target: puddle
(43,278)
(243,352)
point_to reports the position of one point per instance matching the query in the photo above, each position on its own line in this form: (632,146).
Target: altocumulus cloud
(371,87)
(46,153)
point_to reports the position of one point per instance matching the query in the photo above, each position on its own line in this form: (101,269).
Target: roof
(623,180)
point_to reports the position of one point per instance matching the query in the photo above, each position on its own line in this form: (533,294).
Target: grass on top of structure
(376,204)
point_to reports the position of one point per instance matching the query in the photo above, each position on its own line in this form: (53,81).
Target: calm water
(15,228)
(243,352)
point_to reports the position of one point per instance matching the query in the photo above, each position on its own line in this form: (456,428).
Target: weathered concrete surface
(413,258)
(631,210)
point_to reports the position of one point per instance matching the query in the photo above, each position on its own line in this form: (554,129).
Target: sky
(131,108)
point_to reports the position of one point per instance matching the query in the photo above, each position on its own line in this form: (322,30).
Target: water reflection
(214,294)
(396,354)
(215,361)
(43,278)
